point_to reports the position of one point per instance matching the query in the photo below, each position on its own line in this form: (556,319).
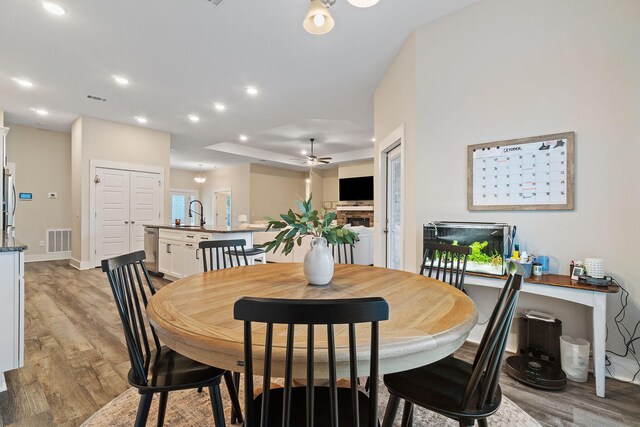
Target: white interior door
(144,206)
(394,209)
(112,213)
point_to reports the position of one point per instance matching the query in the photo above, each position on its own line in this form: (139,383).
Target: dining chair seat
(448,381)
(321,404)
(173,371)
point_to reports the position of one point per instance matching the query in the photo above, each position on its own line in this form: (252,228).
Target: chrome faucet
(191,211)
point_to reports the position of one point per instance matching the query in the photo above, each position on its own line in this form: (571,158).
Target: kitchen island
(11,305)
(178,255)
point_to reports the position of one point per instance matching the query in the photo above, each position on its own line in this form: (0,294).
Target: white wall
(504,69)
(43,165)
(330,185)
(395,107)
(95,139)
(183,180)
(234,178)
(274,191)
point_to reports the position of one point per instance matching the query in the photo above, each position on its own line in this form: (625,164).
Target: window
(180,200)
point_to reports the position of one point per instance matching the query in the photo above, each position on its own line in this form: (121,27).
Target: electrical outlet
(41,243)
(53,195)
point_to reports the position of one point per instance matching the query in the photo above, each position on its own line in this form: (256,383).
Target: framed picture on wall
(535,173)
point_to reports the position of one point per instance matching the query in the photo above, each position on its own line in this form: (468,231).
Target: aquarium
(489,242)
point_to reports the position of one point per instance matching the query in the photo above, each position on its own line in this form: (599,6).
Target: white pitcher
(318,262)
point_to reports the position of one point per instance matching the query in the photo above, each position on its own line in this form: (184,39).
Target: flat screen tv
(352,189)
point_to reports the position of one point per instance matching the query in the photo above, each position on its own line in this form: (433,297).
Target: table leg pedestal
(599,340)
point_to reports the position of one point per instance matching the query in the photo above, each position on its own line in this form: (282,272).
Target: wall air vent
(96,98)
(214,2)
(58,240)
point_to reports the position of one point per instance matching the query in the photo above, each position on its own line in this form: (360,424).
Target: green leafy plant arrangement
(308,222)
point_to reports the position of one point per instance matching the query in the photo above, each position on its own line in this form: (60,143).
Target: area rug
(192,409)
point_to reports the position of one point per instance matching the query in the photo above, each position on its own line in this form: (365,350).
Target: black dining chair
(223,252)
(342,253)
(310,405)
(456,389)
(442,258)
(219,254)
(154,367)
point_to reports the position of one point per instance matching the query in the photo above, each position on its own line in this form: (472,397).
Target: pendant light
(363,3)
(318,20)
(200,178)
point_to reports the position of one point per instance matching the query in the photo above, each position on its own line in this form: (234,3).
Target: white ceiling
(182,56)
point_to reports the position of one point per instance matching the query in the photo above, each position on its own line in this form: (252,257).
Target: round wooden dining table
(428,319)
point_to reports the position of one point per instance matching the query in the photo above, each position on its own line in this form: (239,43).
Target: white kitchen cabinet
(192,261)
(171,258)
(11,312)
(178,254)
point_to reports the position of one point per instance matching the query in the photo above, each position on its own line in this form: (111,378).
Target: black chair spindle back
(483,385)
(342,253)
(310,313)
(223,252)
(448,260)
(128,278)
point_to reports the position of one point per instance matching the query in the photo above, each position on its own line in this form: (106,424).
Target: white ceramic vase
(318,262)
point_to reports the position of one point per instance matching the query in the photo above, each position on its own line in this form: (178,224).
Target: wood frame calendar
(536,173)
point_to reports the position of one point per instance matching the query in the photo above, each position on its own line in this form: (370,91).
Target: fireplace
(356,221)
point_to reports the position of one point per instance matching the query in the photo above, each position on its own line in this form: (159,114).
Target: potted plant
(318,262)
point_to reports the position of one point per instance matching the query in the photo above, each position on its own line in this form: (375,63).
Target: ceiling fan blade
(325,158)
(323,161)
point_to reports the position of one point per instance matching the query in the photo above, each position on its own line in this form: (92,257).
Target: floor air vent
(58,240)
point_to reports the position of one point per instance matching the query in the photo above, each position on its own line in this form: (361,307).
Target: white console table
(563,288)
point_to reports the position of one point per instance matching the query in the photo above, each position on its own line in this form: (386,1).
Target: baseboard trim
(47,257)
(80,265)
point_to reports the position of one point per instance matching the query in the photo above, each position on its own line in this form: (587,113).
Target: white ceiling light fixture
(363,3)
(193,118)
(23,82)
(200,177)
(319,20)
(252,90)
(54,8)
(220,107)
(122,81)
(40,111)
(141,120)
(243,138)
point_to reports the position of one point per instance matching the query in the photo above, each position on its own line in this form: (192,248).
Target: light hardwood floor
(76,361)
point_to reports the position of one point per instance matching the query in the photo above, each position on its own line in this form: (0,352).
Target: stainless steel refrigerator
(9,196)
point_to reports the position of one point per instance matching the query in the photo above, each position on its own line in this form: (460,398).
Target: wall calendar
(534,173)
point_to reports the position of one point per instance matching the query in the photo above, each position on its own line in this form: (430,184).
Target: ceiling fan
(313,159)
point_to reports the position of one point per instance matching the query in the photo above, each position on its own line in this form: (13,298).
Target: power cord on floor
(628,337)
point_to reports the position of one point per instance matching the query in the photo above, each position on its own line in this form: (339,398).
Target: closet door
(112,213)
(144,206)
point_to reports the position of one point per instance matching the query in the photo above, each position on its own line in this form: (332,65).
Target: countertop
(10,244)
(207,229)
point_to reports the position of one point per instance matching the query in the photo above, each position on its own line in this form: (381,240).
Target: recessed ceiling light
(40,111)
(243,138)
(194,118)
(373,140)
(122,81)
(53,8)
(303,152)
(219,106)
(22,82)
(252,90)
(141,120)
